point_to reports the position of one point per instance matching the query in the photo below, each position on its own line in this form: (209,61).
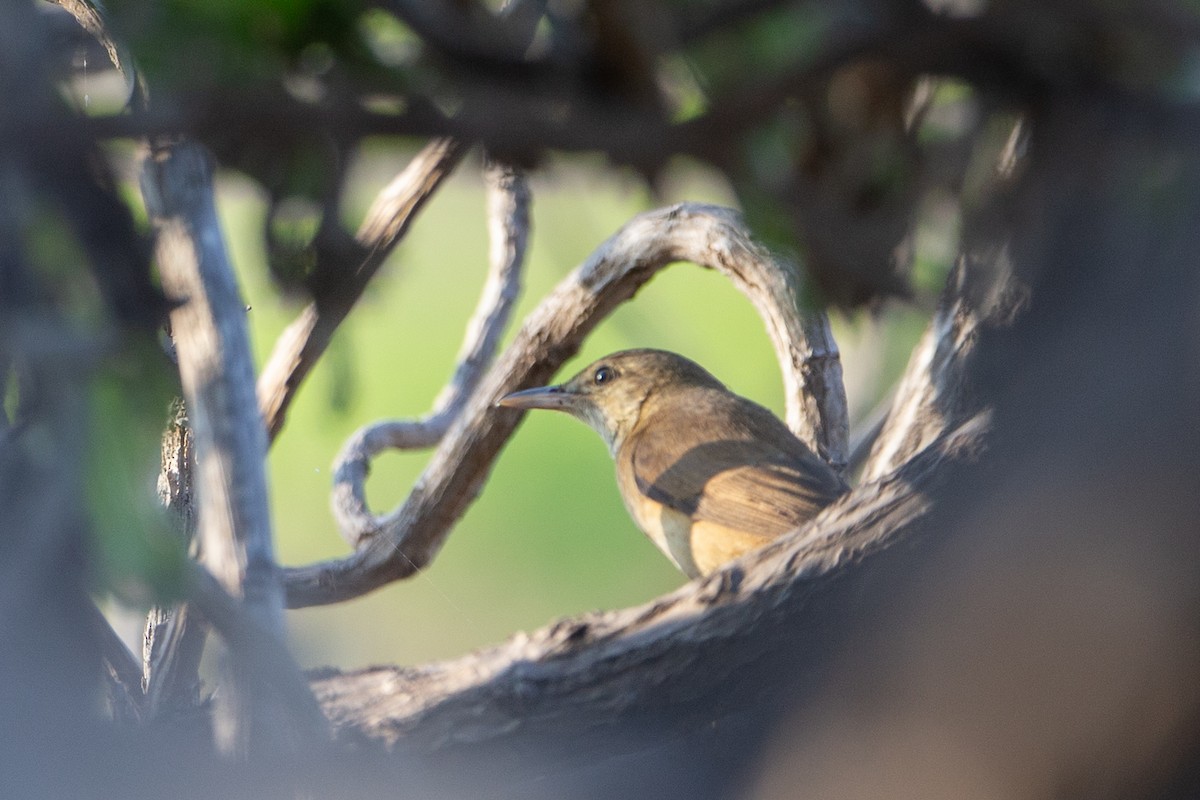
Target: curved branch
(408,538)
(931,384)
(508,227)
(933,394)
(301,345)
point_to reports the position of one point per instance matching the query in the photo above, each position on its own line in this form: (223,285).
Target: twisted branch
(508,227)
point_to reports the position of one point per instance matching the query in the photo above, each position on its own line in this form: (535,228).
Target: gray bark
(233,521)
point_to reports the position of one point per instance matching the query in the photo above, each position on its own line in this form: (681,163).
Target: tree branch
(209,330)
(508,227)
(274,670)
(409,537)
(120,667)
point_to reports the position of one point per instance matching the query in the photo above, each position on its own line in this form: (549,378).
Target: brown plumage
(706,474)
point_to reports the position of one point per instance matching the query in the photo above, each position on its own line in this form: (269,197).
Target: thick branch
(508,227)
(934,393)
(215,365)
(930,387)
(213,347)
(707,235)
(612,665)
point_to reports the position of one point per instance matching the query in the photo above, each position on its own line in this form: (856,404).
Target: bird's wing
(738,466)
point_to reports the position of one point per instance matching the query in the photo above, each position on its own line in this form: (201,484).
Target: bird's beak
(554,397)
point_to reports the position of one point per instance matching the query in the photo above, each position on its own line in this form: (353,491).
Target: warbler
(706,474)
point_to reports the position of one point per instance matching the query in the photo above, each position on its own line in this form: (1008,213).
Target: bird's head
(610,393)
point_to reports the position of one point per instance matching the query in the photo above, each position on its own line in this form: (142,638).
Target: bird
(706,474)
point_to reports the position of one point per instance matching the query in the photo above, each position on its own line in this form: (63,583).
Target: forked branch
(613,665)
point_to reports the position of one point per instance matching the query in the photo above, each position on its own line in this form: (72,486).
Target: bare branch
(933,393)
(818,400)
(867,433)
(915,418)
(508,226)
(396,206)
(217,373)
(172,646)
(212,342)
(409,537)
(305,340)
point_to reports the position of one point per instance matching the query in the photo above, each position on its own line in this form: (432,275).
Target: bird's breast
(668,529)
(696,547)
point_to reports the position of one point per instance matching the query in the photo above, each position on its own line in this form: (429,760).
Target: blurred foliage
(199,44)
(772,44)
(76,288)
(128,400)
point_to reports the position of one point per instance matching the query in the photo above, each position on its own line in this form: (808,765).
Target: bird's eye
(603,375)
